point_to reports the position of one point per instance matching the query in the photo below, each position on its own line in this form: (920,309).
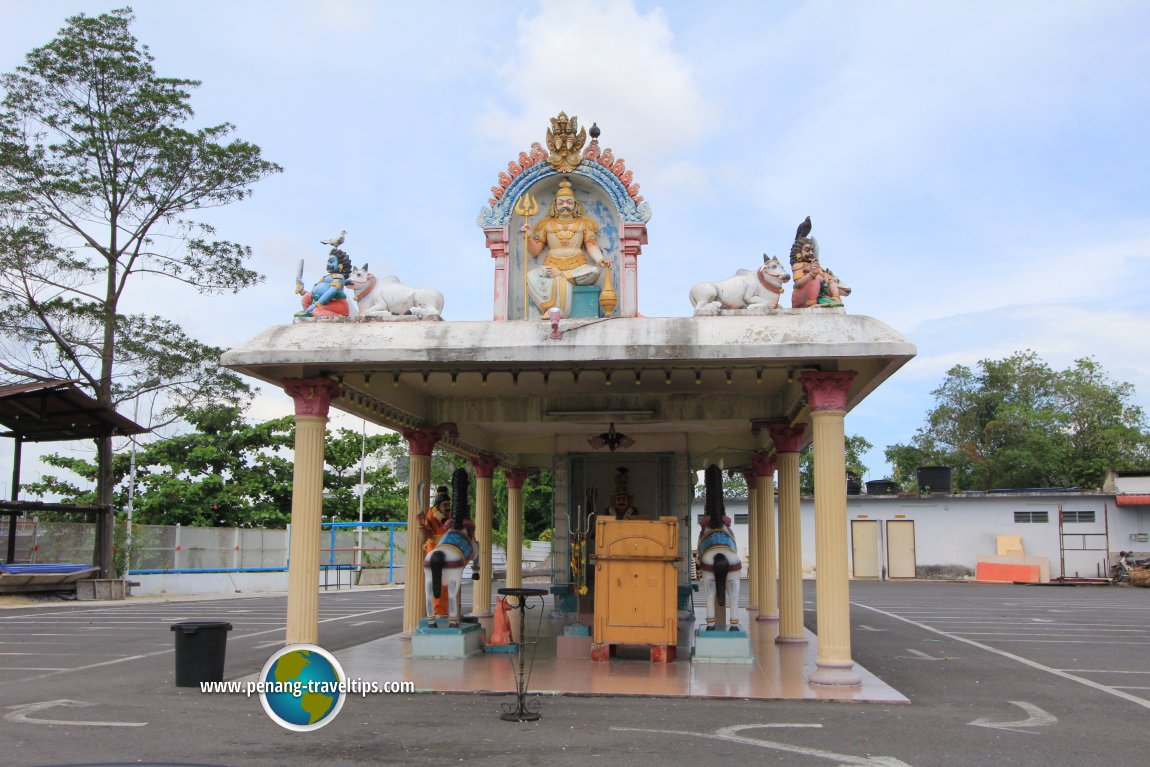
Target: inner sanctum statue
(573,253)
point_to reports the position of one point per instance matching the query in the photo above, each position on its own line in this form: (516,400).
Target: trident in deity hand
(527,206)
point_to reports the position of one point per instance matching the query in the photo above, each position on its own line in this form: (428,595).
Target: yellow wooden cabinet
(635,581)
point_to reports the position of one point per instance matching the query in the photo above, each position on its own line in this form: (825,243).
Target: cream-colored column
(420,443)
(312,398)
(515,480)
(789,442)
(827,396)
(767,581)
(754,553)
(484,516)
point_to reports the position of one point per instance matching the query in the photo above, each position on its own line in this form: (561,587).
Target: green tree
(224,473)
(856,445)
(383,500)
(538,494)
(98,179)
(1016,422)
(229,473)
(537,491)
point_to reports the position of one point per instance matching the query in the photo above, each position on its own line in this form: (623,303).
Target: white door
(864,548)
(900,548)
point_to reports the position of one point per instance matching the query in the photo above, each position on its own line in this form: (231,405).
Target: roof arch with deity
(614,218)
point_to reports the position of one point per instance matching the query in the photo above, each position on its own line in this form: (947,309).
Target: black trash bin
(200,647)
(933,479)
(881,487)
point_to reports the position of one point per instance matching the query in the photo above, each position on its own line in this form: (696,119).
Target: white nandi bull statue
(443,565)
(718,558)
(387,297)
(747,292)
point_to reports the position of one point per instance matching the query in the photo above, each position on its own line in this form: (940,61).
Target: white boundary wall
(955,530)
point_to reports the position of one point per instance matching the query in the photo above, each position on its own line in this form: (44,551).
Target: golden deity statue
(573,253)
(565,140)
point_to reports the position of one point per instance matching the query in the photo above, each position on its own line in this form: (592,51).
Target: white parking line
(1056,630)
(1025,661)
(1101,671)
(278,628)
(1058,641)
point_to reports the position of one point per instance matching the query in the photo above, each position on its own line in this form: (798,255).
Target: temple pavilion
(567,376)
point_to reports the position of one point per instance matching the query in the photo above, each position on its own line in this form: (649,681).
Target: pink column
(498,245)
(312,397)
(484,466)
(767,585)
(634,237)
(827,394)
(752,553)
(420,443)
(515,480)
(789,442)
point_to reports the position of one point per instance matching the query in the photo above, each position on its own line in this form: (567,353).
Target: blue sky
(977,172)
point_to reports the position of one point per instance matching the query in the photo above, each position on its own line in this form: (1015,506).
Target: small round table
(522,712)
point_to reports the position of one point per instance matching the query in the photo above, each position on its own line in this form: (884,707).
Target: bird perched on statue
(804,229)
(336,241)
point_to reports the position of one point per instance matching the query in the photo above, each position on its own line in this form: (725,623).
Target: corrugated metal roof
(50,411)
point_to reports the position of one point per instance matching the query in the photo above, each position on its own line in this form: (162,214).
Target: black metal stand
(522,710)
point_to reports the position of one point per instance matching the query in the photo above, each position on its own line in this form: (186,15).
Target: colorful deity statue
(327,297)
(718,558)
(621,502)
(573,254)
(443,564)
(813,285)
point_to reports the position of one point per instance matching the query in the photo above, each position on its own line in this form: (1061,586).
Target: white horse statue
(443,565)
(387,297)
(747,292)
(718,558)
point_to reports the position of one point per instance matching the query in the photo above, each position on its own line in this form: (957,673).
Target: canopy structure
(569,376)
(705,385)
(49,411)
(53,411)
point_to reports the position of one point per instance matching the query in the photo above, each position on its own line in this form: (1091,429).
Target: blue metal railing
(391,526)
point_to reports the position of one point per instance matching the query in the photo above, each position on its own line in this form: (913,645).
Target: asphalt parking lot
(995,675)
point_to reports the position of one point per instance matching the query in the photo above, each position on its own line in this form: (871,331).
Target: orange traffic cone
(501,629)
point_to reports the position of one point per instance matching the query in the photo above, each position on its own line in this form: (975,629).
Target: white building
(1078,533)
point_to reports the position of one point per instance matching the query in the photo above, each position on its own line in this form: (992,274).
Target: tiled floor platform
(778,671)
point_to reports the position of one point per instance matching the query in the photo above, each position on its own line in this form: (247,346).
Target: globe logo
(302,687)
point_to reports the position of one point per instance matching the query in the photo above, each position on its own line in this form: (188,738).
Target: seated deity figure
(573,253)
(622,505)
(813,285)
(327,298)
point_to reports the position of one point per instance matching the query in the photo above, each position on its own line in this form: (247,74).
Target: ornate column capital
(516,477)
(485,466)
(421,441)
(496,237)
(750,478)
(633,239)
(788,439)
(764,464)
(312,396)
(827,390)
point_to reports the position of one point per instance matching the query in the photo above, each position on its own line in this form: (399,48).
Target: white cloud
(1059,334)
(976,172)
(893,95)
(605,62)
